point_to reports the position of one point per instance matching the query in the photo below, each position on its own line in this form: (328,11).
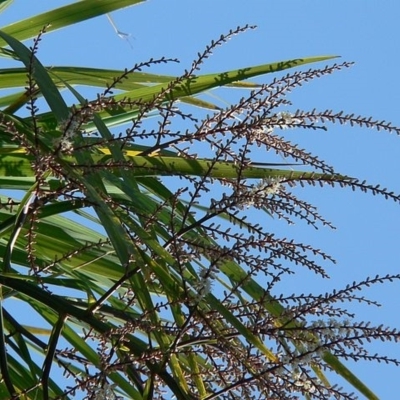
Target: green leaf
(42,78)
(64,16)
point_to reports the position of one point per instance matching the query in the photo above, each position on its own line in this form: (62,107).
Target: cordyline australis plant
(138,247)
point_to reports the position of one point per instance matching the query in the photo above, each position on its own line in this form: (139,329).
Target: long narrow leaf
(64,16)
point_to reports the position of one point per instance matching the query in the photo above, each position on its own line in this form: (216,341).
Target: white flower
(204,285)
(106,392)
(287,119)
(66,145)
(267,186)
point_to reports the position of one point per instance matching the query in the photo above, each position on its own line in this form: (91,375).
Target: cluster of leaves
(137,248)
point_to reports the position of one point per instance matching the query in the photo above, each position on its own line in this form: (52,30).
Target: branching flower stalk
(143,240)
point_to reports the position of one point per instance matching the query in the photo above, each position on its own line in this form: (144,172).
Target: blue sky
(367,32)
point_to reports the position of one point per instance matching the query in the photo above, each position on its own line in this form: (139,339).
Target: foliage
(119,236)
